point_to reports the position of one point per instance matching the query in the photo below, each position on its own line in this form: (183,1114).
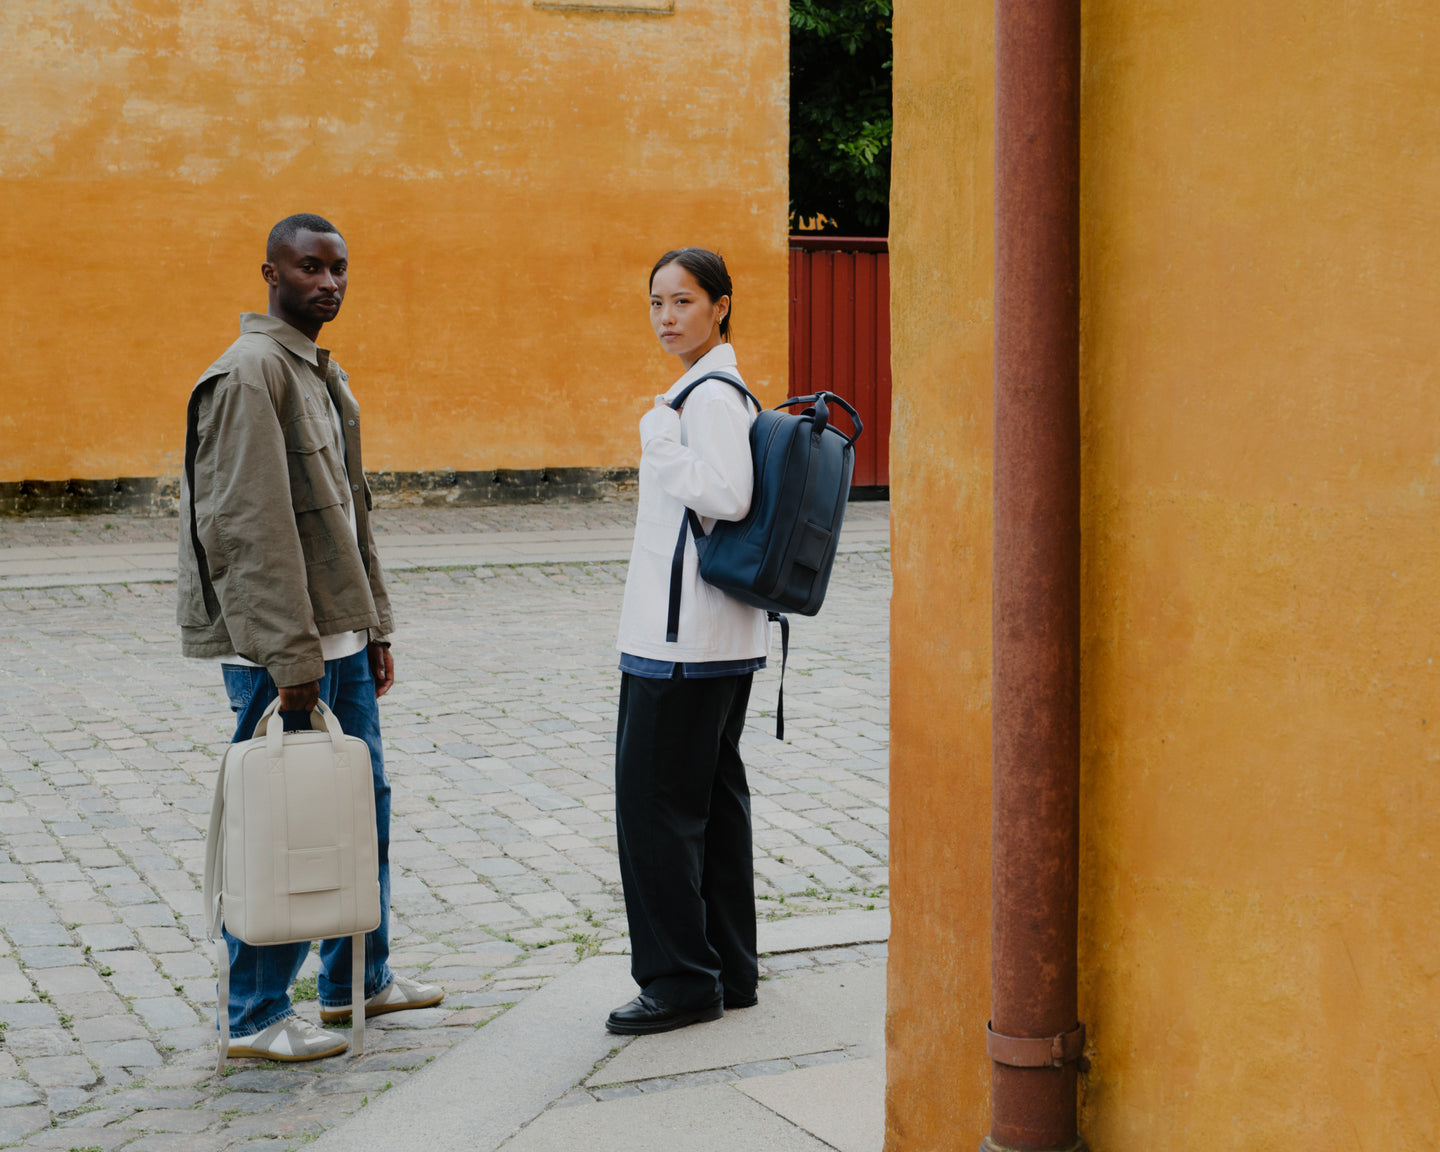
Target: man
(280,581)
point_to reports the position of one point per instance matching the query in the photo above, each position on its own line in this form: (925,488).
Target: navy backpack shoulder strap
(679,400)
(691,523)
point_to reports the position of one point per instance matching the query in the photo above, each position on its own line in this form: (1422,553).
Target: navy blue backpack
(779,556)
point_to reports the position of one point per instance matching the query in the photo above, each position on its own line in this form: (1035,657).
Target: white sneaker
(397,996)
(292,1038)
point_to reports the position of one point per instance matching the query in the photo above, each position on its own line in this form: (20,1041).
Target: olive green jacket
(268,563)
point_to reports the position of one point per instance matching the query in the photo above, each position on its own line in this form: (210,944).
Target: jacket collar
(292,339)
(719,358)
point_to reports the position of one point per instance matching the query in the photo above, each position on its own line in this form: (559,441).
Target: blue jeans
(260,976)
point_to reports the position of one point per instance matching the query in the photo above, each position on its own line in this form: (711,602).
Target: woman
(682,808)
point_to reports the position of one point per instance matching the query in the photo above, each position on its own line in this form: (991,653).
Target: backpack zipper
(774,428)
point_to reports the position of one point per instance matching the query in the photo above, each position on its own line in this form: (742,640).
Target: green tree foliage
(840,118)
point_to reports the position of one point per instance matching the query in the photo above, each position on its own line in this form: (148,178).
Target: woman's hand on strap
(661,420)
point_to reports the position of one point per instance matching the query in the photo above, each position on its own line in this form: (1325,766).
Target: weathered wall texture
(504,175)
(1260,944)
(941,271)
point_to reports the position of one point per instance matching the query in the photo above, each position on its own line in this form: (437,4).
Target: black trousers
(682,814)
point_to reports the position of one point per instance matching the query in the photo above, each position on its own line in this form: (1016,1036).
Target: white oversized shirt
(699,459)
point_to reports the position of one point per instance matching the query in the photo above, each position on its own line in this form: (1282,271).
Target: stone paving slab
(708,1119)
(843,1104)
(531,1064)
(807,933)
(499,737)
(838,1009)
(553,1037)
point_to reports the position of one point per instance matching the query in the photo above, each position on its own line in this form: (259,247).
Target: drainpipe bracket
(1036,1051)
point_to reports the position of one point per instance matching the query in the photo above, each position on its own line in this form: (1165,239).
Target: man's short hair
(286,231)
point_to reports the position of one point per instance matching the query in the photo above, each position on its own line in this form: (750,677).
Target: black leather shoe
(645,1014)
(735,1000)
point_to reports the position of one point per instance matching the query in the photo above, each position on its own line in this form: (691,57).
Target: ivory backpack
(293,853)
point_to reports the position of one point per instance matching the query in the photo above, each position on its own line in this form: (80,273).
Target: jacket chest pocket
(317,475)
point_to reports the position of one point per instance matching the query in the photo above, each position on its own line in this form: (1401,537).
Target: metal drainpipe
(1035,1039)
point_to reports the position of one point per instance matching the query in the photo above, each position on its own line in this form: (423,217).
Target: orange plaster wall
(504,175)
(1260,943)
(941,270)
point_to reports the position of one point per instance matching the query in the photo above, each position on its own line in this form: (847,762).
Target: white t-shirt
(342,644)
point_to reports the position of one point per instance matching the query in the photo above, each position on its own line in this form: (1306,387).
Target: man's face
(307,279)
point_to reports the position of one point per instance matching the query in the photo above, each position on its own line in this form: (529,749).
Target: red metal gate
(840,336)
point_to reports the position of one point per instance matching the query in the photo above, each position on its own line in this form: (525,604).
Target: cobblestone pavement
(499,737)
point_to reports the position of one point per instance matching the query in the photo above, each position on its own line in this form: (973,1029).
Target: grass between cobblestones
(499,737)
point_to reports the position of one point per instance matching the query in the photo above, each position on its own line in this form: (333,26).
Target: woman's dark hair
(710,273)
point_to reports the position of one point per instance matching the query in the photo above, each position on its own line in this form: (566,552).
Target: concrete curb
(78,566)
(486,1088)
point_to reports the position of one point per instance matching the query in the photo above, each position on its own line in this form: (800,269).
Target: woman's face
(684,318)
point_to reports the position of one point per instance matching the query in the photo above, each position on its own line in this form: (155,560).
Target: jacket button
(351,423)
(354,487)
